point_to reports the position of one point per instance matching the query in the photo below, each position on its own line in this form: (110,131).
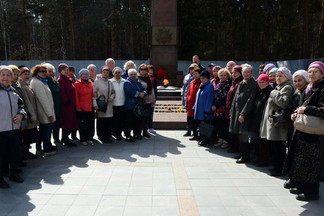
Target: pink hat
(238,68)
(264,77)
(61,67)
(317,64)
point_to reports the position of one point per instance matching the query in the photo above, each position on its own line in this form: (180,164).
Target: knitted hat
(4,67)
(117,69)
(302,73)
(286,72)
(84,70)
(264,77)
(268,66)
(317,64)
(105,67)
(14,67)
(217,67)
(61,67)
(273,70)
(238,68)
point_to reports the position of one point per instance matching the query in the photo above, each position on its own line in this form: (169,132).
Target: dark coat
(260,102)
(55,90)
(220,96)
(132,90)
(307,162)
(243,104)
(231,94)
(68,113)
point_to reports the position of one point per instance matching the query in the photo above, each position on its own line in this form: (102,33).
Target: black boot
(65,138)
(3,183)
(15,177)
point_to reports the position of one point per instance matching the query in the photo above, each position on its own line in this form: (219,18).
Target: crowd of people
(228,108)
(34,109)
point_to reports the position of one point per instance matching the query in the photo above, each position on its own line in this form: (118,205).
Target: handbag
(140,109)
(309,124)
(281,118)
(206,129)
(102,103)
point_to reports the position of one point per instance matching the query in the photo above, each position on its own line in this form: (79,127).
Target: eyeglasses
(144,69)
(42,71)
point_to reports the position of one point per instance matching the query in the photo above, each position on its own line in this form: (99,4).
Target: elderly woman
(219,104)
(191,100)
(69,121)
(55,90)
(271,129)
(307,167)
(241,112)
(237,78)
(260,148)
(15,82)
(110,63)
(301,81)
(30,132)
(93,72)
(118,103)
(134,91)
(152,76)
(83,102)
(203,105)
(45,106)
(103,89)
(128,65)
(272,77)
(149,98)
(215,79)
(12,113)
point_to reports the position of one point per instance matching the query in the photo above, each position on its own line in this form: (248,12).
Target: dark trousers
(309,188)
(118,120)
(190,122)
(234,143)
(202,137)
(31,136)
(132,123)
(8,151)
(261,148)
(195,125)
(150,120)
(104,128)
(86,125)
(56,129)
(244,147)
(45,134)
(145,119)
(278,153)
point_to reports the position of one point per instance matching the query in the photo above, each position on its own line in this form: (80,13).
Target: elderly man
(93,71)
(196,60)
(110,62)
(230,65)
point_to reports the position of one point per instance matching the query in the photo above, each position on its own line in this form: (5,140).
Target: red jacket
(83,95)
(191,96)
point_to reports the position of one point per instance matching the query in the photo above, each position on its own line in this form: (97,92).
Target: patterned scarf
(310,86)
(148,82)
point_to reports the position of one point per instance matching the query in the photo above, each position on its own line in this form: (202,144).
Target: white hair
(129,62)
(108,60)
(91,65)
(132,71)
(247,65)
(49,66)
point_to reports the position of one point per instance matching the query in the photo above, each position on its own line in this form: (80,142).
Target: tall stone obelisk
(164,37)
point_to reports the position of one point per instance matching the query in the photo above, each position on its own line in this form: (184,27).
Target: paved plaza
(165,175)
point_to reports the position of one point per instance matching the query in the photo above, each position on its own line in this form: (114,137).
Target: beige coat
(44,101)
(103,87)
(280,98)
(30,105)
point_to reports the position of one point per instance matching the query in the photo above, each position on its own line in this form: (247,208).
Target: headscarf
(268,66)
(302,73)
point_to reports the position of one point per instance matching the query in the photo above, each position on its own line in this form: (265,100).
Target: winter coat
(30,106)
(55,90)
(307,162)
(10,105)
(68,114)
(257,114)
(186,83)
(220,95)
(132,90)
(230,95)
(83,95)
(119,99)
(149,98)
(44,101)
(243,104)
(191,96)
(215,81)
(204,102)
(102,86)
(18,89)
(279,99)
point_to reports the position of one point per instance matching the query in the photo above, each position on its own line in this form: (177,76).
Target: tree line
(262,30)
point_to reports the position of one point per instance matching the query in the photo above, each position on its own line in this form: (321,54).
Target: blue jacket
(204,102)
(132,90)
